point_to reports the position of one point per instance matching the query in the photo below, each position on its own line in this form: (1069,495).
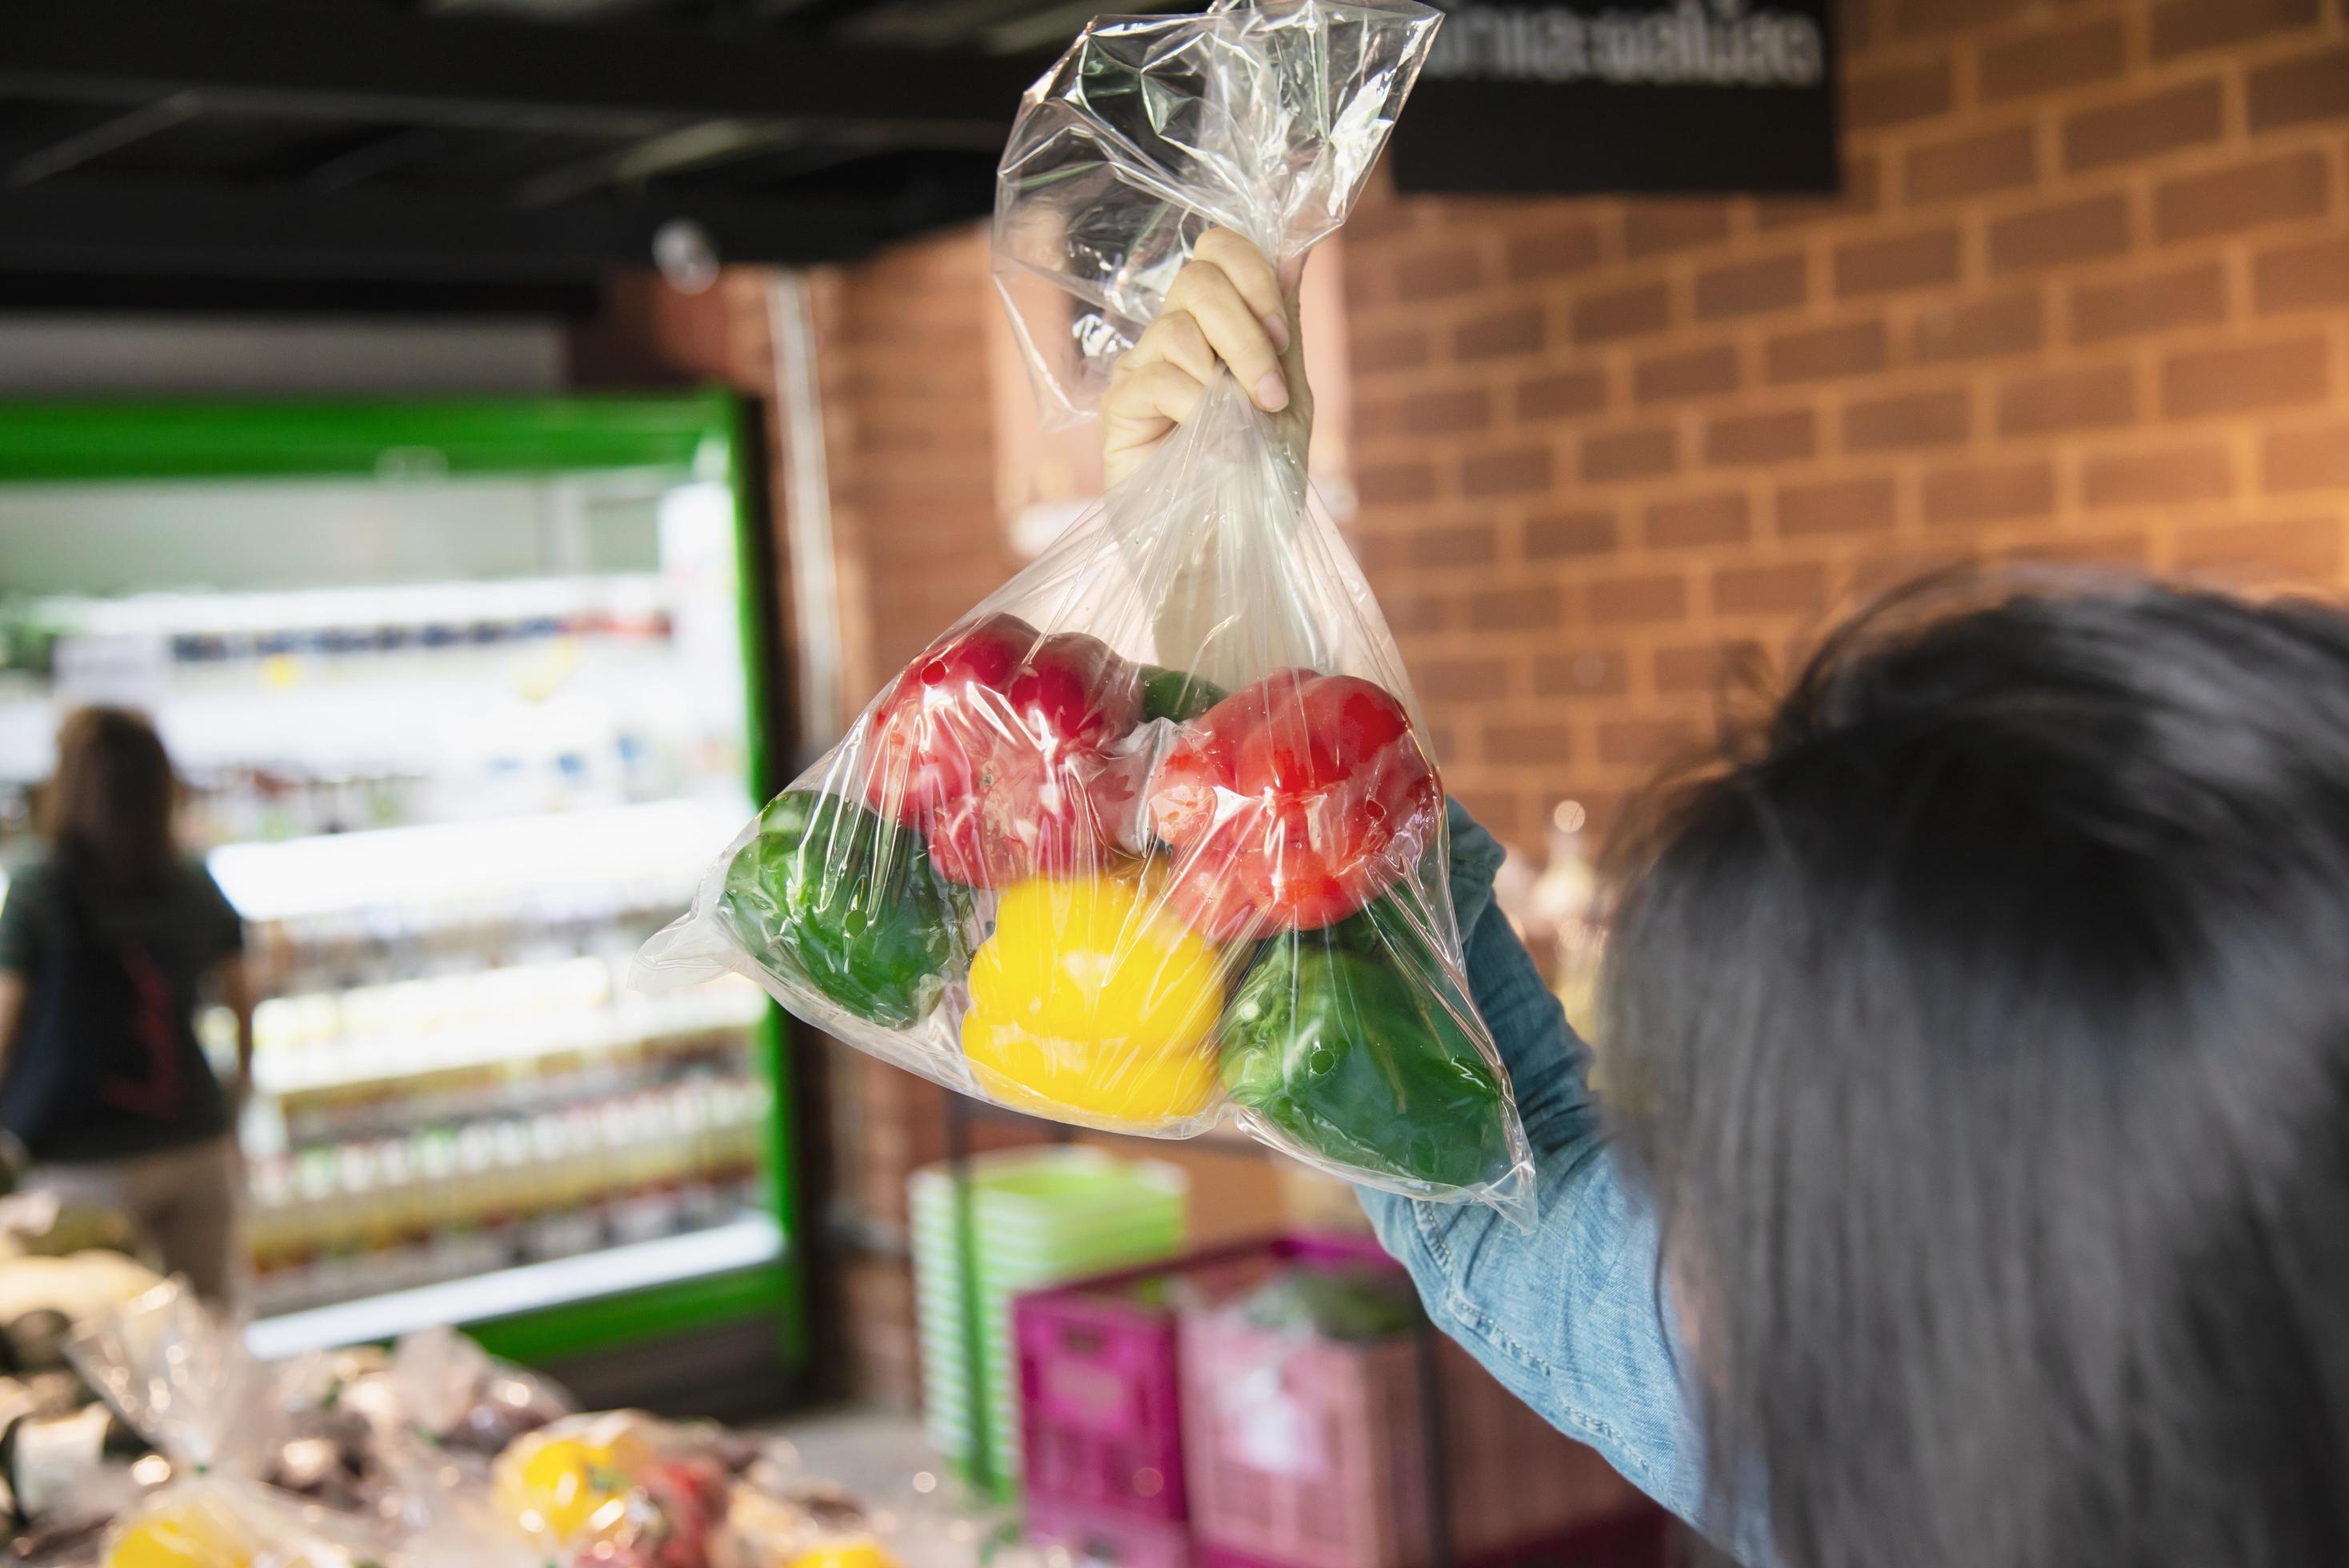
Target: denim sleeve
(1571,1315)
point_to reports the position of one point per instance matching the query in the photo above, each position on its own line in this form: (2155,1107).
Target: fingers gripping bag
(1153,837)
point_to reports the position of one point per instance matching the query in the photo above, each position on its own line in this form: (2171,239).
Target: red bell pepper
(1291,804)
(993,745)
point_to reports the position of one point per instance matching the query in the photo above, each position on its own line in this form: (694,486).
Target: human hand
(1226,309)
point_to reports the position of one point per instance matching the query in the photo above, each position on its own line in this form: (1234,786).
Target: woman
(1975,1192)
(106,948)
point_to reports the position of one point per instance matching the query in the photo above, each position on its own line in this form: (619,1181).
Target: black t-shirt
(106,1062)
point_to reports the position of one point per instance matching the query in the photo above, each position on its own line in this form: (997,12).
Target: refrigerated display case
(465,695)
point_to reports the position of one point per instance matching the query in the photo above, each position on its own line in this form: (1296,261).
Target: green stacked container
(1035,1217)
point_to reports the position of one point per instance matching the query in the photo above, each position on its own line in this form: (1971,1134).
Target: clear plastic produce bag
(1153,838)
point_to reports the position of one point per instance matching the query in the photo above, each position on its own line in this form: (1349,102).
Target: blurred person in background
(1972,1186)
(108,946)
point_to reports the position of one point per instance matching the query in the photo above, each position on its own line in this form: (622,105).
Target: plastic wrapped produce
(1154,836)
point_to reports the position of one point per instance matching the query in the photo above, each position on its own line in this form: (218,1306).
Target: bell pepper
(1177,694)
(994,744)
(829,897)
(1090,1001)
(1291,804)
(1354,1044)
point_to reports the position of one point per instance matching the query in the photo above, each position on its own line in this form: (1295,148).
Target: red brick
(1375,352)
(2243,377)
(1587,672)
(2068,401)
(1972,165)
(1644,742)
(1567,392)
(2052,59)
(1744,288)
(1553,252)
(2303,88)
(1569,533)
(1457,545)
(1914,18)
(1823,353)
(1630,454)
(1528,743)
(1408,613)
(1791,588)
(1452,270)
(2143,127)
(1907,262)
(1513,472)
(1461,680)
(1705,519)
(2313,458)
(1390,484)
(1513,609)
(1760,438)
(2273,190)
(1622,600)
(1933,418)
(1835,505)
(1992,493)
(1445,413)
(1694,373)
(2162,302)
(1650,228)
(1622,313)
(2183,26)
(1858,194)
(1875,573)
(2306,548)
(2130,548)
(1897,95)
(2049,236)
(1379,552)
(1706,667)
(1502,333)
(2312,277)
(2009,323)
(2161,478)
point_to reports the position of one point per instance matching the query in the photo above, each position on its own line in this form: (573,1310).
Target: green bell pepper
(1355,1043)
(831,897)
(1177,694)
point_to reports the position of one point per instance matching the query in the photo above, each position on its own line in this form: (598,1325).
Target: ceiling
(484,154)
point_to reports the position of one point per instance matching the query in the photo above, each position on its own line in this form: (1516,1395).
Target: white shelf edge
(744,1242)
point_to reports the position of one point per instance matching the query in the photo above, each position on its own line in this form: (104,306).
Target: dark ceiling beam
(122,229)
(298,57)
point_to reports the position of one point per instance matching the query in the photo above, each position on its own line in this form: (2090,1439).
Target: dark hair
(107,808)
(1980,1028)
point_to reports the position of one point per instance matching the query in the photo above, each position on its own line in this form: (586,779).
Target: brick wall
(2086,296)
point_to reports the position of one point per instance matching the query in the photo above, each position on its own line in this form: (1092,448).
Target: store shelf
(745,1242)
(634,1022)
(662,841)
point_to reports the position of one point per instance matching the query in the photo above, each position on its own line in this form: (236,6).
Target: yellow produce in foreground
(1091,998)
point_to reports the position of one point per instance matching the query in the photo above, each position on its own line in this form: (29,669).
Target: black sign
(1523,97)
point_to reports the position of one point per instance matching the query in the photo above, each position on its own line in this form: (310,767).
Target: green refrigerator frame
(698,435)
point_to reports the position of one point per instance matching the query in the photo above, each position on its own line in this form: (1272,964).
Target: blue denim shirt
(1572,1318)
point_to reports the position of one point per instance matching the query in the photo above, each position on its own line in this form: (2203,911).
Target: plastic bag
(183,1379)
(622,1487)
(1151,838)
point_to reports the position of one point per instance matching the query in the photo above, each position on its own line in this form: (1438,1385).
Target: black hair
(1979,1025)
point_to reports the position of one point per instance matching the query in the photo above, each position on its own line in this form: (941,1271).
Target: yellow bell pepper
(1091,998)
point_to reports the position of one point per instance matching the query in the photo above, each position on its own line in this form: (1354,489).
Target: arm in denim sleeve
(1571,1316)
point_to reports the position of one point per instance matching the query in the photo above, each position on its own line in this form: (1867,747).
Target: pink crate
(1107,1537)
(1642,1538)
(1101,1417)
(1303,1452)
